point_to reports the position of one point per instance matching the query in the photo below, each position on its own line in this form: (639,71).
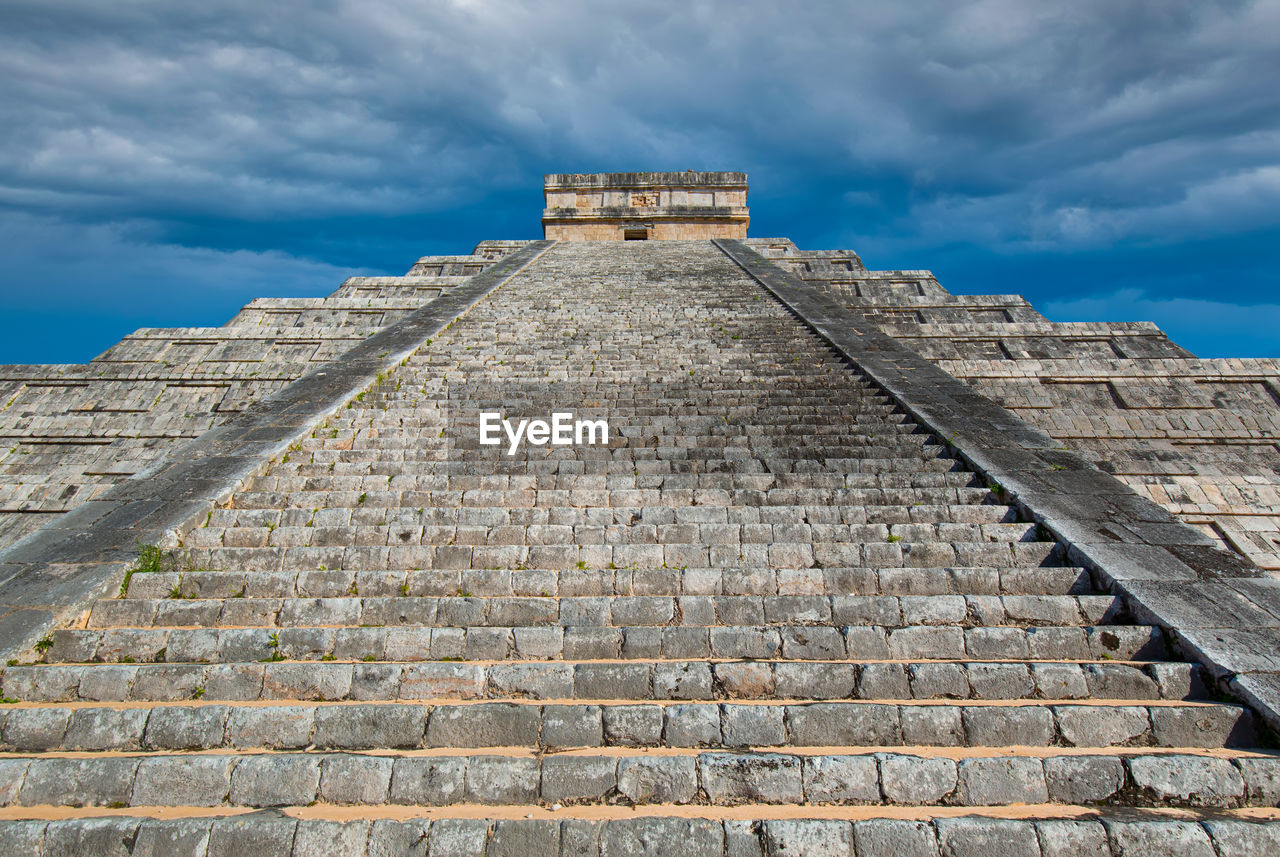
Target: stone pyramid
(863,568)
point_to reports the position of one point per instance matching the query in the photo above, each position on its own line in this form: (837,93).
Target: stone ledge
(272,832)
(1222,612)
(55,573)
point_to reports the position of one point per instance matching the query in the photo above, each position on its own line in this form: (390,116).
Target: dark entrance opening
(635,234)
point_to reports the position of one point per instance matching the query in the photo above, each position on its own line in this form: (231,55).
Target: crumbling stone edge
(53,575)
(1216,607)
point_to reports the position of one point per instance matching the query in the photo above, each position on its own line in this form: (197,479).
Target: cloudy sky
(163,163)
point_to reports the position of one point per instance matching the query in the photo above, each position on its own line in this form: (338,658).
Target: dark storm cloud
(288,141)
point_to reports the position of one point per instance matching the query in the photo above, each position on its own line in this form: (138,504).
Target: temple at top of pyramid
(645,206)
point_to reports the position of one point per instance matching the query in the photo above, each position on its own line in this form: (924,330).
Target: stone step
(704,525)
(457,611)
(417,489)
(810,491)
(384,493)
(971,581)
(635,642)
(679,489)
(798,555)
(597,472)
(650,462)
(735,410)
(691,777)
(1054,831)
(657,680)
(388,725)
(861,488)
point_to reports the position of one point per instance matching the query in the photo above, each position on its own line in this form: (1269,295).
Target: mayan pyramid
(862,567)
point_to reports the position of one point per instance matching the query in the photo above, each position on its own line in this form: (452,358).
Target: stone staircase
(771,617)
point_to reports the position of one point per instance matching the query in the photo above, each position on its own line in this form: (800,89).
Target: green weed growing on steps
(274,645)
(151,559)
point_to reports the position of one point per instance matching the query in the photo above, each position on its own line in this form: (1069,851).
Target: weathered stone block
(811,837)
(752,778)
(1099,726)
(101,837)
(355,779)
(11,773)
(662,837)
(1243,838)
(571,726)
(171,836)
(996,781)
(752,725)
(841,779)
(458,837)
(359,727)
(429,780)
(489,724)
(681,681)
(914,780)
(524,838)
(277,727)
(1008,725)
(694,725)
(885,837)
(933,725)
(580,837)
(575,779)
(182,780)
(1069,838)
(658,779)
(1152,838)
(320,838)
(36,729)
(275,780)
(828,724)
(1187,780)
(740,680)
(257,834)
(1262,780)
(502,780)
(389,838)
(632,725)
(78,782)
(1216,726)
(973,836)
(1083,779)
(186,727)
